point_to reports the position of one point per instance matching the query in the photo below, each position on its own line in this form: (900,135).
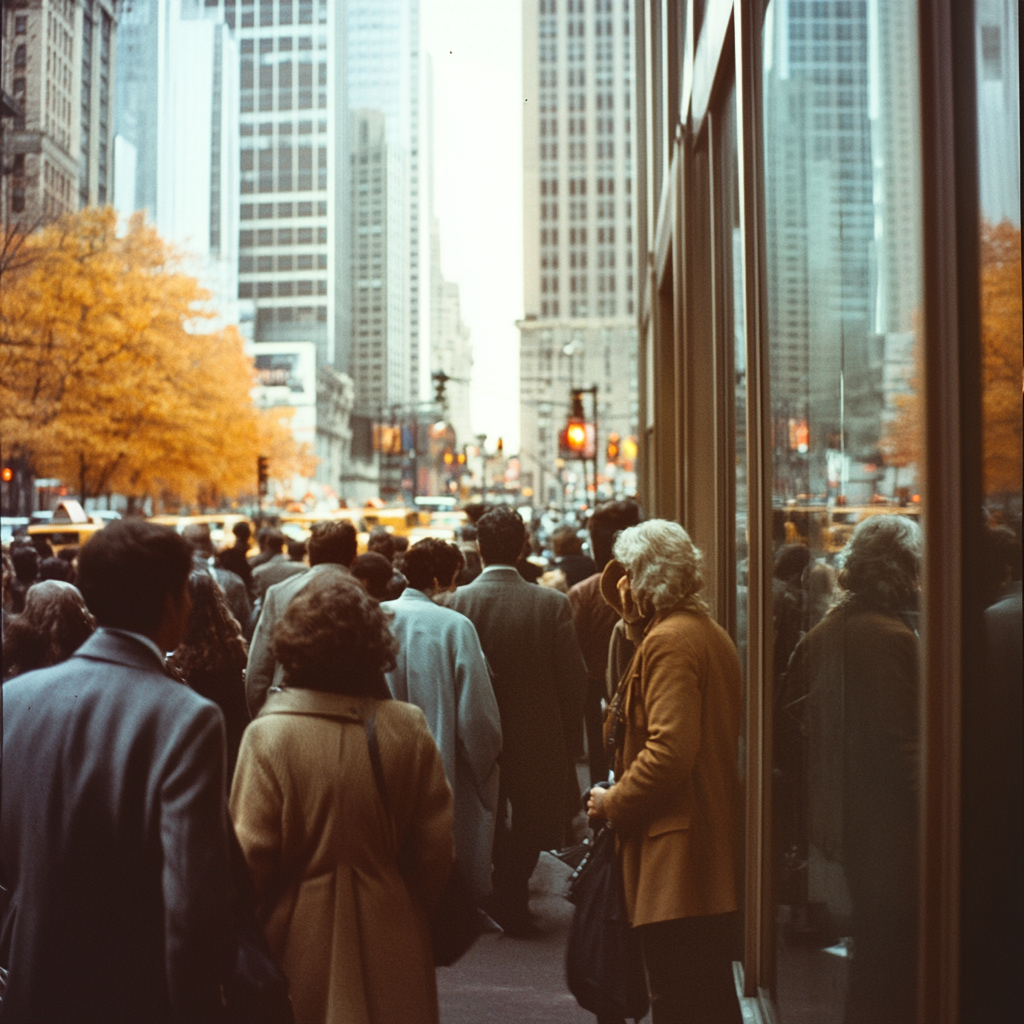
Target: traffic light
(501,447)
(263,473)
(575,435)
(8,474)
(612,452)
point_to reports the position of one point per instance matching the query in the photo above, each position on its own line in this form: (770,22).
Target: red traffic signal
(8,474)
(576,435)
(612,451)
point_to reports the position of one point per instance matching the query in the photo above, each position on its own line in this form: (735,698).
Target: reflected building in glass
(579,324)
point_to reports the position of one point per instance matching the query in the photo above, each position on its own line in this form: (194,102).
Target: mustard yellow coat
(346,924)
(676,804)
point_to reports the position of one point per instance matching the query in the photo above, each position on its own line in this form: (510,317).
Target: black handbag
(256,989)
(603,964)
(457,922)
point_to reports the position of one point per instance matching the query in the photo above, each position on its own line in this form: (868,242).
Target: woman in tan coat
(344,891)
(673,729)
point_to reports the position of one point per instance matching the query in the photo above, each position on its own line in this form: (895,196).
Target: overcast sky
(476,46)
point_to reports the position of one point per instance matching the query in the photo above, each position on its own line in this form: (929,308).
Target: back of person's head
(335,637)
(242,532)
(475,511)
(128,570)
(566,541)
(296,550)
(68,554)
(263,537)
(401,544)
(468,532)
(883,563)
(197,536)
(790,562)
(1001,561)
(213,638)
(432,562)
(374,571)
(333,542)
(56,569)
(54,624)
(610,519)
(382,542)
(501,534)
(276,541)
(25,560)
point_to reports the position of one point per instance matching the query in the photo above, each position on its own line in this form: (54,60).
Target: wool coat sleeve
(671,698)
(479,732)
(421,800)
(196,877)
(257,808)
(259,673)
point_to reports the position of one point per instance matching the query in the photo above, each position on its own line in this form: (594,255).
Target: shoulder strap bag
(457,922)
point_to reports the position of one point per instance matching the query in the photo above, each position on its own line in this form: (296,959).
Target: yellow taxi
(221,524)
(70,526)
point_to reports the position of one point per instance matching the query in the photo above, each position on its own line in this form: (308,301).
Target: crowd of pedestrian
(314,739)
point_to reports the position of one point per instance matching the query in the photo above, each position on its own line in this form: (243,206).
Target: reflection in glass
(993,760)
(843,213)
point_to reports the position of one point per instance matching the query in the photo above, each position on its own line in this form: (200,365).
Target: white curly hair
(663,565)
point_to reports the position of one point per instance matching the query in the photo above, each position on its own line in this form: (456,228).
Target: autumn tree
(1002,364)
(107,378)
(1002,372)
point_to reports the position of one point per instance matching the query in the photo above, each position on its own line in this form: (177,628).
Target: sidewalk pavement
(518,981)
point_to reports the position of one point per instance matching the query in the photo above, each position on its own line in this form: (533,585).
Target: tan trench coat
(677,800)
(347,926)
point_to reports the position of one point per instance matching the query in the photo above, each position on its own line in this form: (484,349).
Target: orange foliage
(1002,364)
(106,380)
(1002,371)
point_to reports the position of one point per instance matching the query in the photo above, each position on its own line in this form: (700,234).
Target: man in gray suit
(539,680)
(332,548)
(114,843)
(277,569)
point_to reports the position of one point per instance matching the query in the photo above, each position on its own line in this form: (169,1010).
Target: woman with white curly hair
(672,730)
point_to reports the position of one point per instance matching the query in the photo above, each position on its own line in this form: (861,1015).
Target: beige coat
(348,926)
(676,803)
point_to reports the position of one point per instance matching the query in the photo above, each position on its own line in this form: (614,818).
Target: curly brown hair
(335,637)
(213,643)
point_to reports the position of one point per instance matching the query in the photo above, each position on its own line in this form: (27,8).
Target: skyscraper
(383,74)
(294,209)
(579,327)
(379,268)
(59,69)
(177,134)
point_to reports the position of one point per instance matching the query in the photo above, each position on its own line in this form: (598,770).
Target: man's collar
(123,647)
(142,639)
(500,570)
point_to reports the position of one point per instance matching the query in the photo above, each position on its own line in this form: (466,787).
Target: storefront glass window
(993,766)
(843,248)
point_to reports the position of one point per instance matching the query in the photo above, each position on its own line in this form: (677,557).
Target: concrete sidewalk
(518,981)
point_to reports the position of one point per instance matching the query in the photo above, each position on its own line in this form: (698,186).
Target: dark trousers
(689,969)
(594,718)
(516,853)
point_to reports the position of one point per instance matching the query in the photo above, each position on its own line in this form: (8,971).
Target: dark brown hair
(52,627)
(335,637)
(213,644)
